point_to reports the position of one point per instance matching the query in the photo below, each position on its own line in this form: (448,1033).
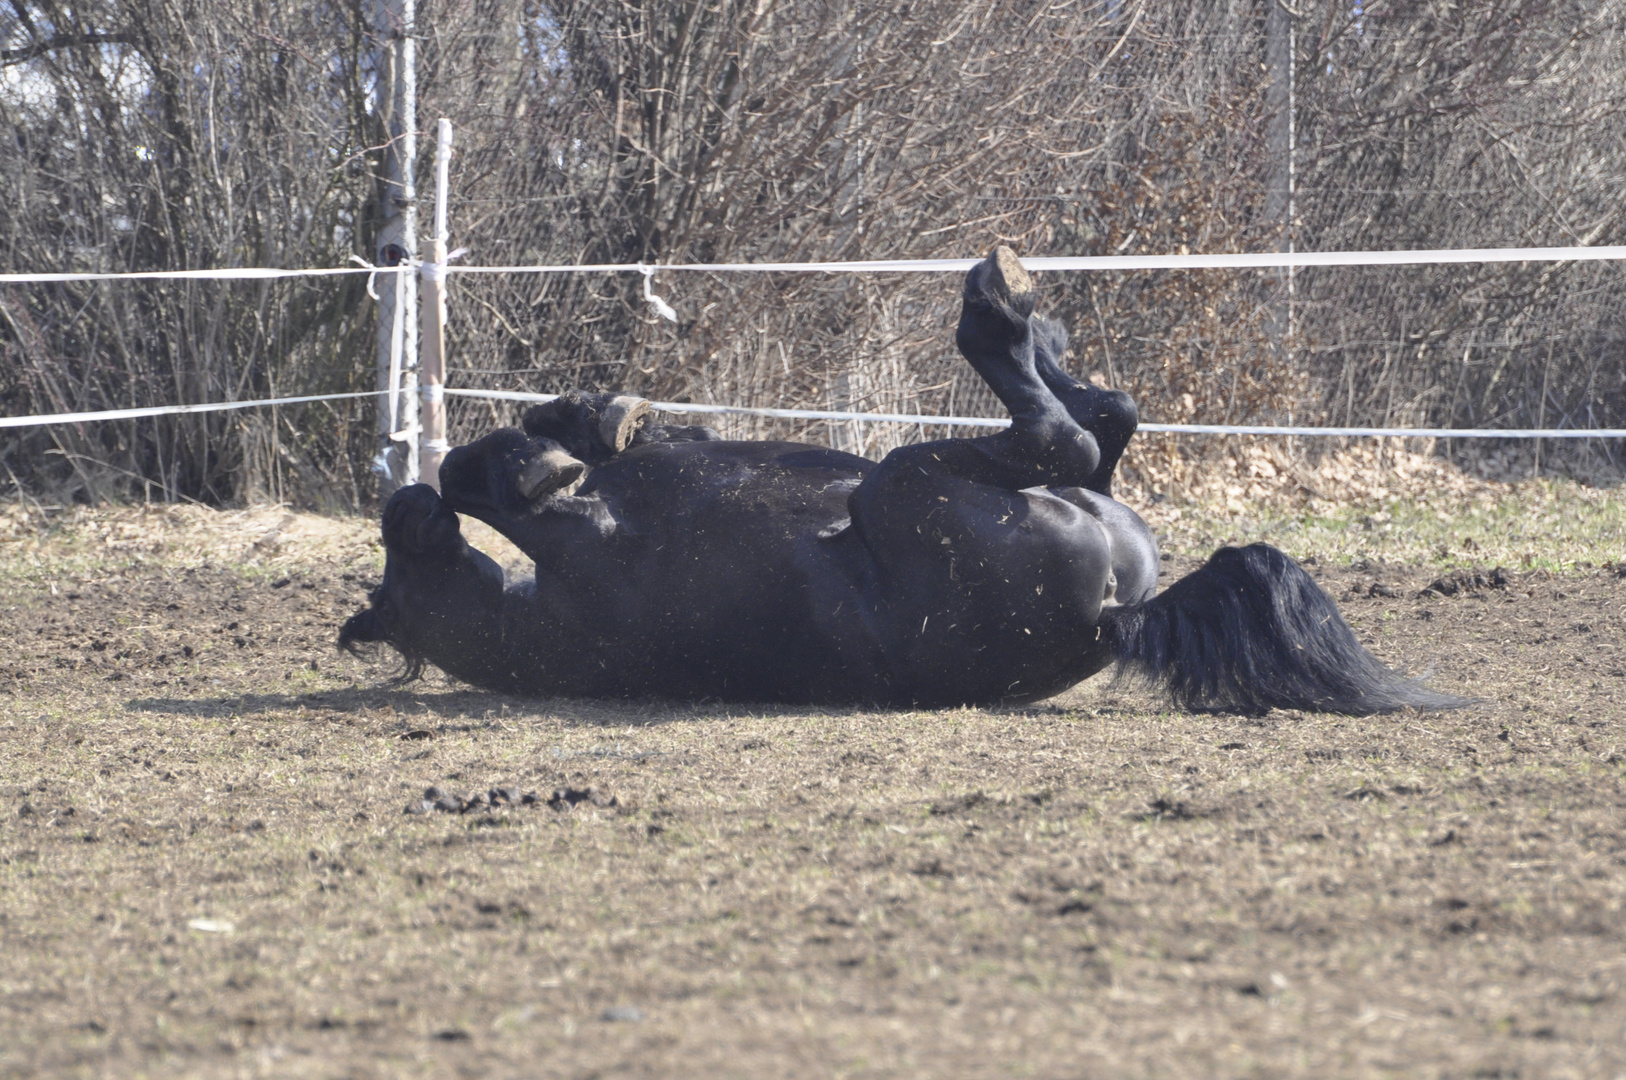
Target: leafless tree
(1442,125)
(169,133)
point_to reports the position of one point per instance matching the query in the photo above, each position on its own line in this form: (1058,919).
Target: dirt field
(206,868)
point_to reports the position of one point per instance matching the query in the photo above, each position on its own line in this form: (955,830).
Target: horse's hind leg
(983,587)
(1044,443)
(1109,415)
(1044,446)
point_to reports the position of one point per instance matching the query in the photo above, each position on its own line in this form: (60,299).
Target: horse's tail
(1250,631)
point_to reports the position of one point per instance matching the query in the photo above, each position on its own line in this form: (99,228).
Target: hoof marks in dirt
(1161,809)
(568,798)
(958,805)
(1466,581)
(435,800)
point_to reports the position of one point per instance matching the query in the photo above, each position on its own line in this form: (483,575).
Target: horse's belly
(742,595)
(771,612)
(995,601)
(742,586)
(756,611)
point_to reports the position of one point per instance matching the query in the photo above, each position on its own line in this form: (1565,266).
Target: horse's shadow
(426,712)
(404,703)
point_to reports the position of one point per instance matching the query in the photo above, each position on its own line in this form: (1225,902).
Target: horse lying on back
(672,563)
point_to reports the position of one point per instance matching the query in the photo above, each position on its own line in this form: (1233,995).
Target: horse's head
(438,594)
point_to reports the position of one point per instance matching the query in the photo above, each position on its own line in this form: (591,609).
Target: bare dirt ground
(206,868)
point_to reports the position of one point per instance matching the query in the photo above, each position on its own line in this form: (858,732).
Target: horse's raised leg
(1044,446)
(597,427)
(517,484)
(506,472)
(1109,415)
(985,584)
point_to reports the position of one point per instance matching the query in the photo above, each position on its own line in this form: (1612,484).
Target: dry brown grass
(1094,886)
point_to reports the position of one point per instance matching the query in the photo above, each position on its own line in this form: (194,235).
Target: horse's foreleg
(592,427)
(506,472)
(515,484)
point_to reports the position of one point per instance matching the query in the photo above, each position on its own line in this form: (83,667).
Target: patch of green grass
(1554,525)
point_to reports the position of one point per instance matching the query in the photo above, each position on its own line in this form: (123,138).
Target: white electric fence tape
(1230,261)
(1234,261)
(397,344)
(438,271)
(171,410)
(822,414)
(662,308)
(231,273)
(992,422)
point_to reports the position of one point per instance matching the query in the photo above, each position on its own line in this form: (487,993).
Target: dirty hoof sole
(547,473)
(1008,278)
(620,421)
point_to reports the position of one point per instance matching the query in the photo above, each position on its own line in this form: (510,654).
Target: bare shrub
(1429,125)
(150,135)
(183,138)
(832,131)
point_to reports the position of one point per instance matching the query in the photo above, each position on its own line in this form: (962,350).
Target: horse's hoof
(1010,276)
(591,427)
(1001,281)
(620,419)
(549,471)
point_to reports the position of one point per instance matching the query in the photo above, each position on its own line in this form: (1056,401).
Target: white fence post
(397,343)
(432,440)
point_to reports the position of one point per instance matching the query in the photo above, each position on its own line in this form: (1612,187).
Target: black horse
(997,569)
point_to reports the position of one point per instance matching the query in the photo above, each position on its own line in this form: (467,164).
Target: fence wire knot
(359,261)
(436,271)
(662,308)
